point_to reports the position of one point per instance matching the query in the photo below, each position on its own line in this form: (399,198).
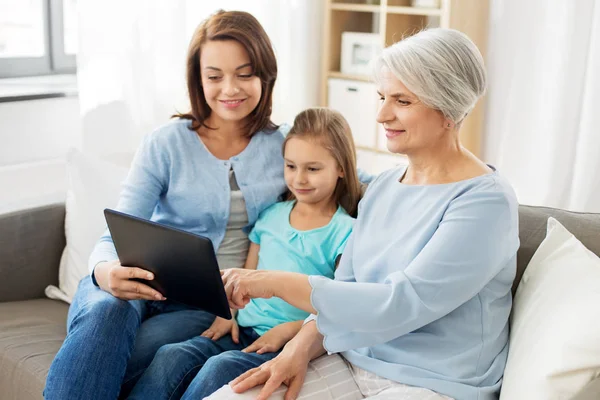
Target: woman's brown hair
(246,30)
(331,129)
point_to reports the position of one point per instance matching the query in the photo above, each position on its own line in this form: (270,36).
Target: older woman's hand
(289,367)
(241,285)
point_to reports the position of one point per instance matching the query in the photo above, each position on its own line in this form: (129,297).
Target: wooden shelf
(339,75)
(355,7)
(430,12)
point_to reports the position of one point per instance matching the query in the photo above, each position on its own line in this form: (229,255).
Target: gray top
(233,250)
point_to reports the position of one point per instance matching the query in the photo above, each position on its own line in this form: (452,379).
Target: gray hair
(442,67)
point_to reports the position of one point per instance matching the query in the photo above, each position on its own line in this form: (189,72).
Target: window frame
(54,60)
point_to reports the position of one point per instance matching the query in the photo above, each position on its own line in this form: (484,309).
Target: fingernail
(149,276)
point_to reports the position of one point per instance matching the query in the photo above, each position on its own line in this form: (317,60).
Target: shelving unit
(393,20)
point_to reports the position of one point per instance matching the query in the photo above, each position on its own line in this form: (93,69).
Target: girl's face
(231,89)
(410,125)
(311,173)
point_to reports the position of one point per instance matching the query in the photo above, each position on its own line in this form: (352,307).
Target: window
(37,37)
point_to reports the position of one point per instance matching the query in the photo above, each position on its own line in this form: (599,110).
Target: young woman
(211,171)
(305,234)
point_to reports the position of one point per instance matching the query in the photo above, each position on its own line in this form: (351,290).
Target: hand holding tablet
(184,265)
(119,281)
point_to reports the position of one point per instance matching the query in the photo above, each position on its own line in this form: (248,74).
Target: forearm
(291,328)
(103,251)
(292,287)
(308,341)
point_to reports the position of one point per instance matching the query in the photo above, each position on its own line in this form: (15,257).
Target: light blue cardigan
(176,181)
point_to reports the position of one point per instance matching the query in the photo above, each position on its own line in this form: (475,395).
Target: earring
(448,124)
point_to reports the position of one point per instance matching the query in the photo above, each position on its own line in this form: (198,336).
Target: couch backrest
(31,245)
(532,230)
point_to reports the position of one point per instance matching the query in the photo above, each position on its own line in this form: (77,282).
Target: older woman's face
(410,126)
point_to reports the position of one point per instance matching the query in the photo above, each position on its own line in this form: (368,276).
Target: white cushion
(555,323)
(93,185)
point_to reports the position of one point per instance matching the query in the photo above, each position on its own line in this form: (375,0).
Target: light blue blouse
(422,295)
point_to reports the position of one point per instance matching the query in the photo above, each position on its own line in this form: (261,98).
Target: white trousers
(330,377)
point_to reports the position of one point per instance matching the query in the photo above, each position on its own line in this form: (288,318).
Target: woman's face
(410,126)
(231,89)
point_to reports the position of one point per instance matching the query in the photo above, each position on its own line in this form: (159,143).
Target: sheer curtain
(131,62)
(543,107)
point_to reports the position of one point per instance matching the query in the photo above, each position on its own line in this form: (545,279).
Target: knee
(173,351)
(223,362)
(173,356)
(103,310)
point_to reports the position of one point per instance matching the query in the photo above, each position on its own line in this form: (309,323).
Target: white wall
(34,139)
(38,129)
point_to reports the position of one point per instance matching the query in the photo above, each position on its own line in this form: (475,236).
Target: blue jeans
(110,342)
(197,368)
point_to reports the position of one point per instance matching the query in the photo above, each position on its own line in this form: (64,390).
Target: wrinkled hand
(273,340)
(289,367)
(242,285)
(221,327)
(116,279)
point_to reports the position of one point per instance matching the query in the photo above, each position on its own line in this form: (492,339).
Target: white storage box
(358,103)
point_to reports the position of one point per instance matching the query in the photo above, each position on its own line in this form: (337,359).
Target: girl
(305,234)
(212,171)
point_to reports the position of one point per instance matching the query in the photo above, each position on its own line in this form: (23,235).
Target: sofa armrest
(31,244)
(591,391)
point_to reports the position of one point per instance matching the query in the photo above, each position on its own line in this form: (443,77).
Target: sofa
(32,327)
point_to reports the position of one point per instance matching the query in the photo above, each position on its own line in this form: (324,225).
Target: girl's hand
(221,327)
(274,339)
(116,279)
(241,285)
(289,367)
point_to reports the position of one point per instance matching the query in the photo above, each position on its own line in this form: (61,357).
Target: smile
(232,103)
(303,191)
(390,133)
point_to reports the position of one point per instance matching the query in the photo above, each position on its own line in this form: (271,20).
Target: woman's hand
(241,285)
(275,338)
(116,279)
(221,327)
(289,367)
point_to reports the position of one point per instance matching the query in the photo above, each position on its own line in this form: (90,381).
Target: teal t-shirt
(283,248)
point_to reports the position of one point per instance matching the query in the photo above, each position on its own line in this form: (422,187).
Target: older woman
(420,302)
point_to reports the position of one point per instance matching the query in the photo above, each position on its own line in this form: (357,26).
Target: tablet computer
(184,264)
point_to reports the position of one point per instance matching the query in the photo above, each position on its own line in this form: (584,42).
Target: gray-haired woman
(420,302)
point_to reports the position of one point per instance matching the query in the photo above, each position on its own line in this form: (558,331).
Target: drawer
(358,103)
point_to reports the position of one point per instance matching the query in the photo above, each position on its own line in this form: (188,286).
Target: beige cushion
(532,230)
(555,324)
(590,392)
(93,185)
(31,332)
